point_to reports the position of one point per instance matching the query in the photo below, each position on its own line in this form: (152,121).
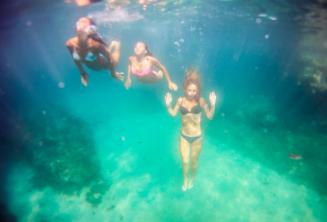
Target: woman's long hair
(148,52)
(192,77)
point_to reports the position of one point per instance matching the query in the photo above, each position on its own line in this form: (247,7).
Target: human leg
(196,148)
(184,148)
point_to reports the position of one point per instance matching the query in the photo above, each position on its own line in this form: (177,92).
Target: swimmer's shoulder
(131,59)
(180,100)
(151,58)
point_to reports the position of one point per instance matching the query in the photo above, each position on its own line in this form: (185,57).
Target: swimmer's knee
(115,44)
(185,159)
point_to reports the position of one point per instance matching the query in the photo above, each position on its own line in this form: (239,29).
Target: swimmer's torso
(91,46)
(191,119)
(142,68)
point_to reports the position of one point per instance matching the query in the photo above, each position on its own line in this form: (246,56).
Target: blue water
(104,153)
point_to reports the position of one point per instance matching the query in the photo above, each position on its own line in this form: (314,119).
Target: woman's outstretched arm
(171,84)
(128,81)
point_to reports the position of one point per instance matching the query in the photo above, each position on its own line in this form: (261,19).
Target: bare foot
(84,79)
(190,184)
(184,187)
(120,76)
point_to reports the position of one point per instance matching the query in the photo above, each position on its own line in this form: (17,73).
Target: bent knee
(115,44)
(71,42)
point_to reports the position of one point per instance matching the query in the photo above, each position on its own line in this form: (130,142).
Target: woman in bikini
(146,68)
(89,49)
(191,106)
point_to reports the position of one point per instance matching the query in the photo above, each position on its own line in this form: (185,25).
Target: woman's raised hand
(212,98)
(168,99)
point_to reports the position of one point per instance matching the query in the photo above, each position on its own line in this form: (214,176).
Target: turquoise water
(104,153)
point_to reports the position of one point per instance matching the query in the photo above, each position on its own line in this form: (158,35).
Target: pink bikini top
(143,72)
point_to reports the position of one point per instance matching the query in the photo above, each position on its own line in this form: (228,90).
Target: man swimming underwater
(88,48)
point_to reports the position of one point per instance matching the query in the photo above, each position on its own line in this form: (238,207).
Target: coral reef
(60,149)
(315,72)
(313,47)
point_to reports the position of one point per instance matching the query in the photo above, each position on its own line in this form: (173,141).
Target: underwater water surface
(104,153)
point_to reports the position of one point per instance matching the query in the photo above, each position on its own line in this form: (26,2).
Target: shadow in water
(60,150)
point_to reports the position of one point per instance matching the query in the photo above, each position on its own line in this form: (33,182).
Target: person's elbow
(173,114)
(68,43)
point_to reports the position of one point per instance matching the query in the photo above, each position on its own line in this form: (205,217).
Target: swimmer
(146,68)
(89,49)
(191,106)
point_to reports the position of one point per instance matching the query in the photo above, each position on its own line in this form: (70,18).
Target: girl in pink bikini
(146,68)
